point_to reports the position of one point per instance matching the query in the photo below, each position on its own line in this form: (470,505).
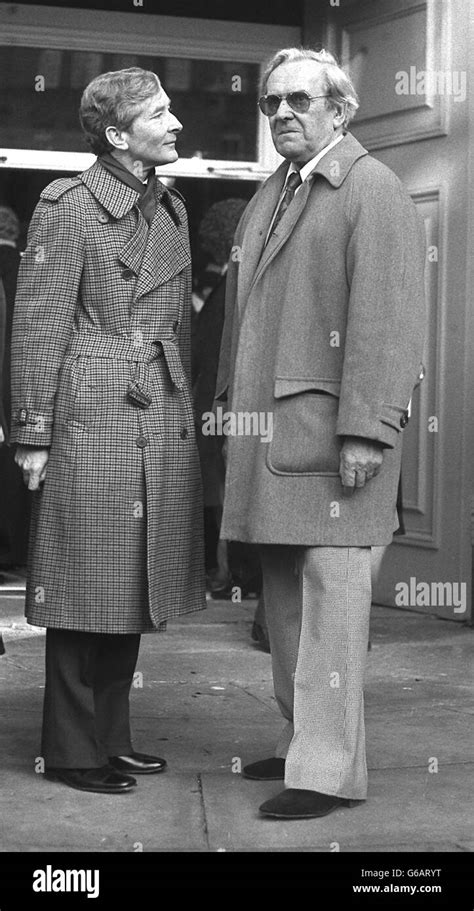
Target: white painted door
(419,126)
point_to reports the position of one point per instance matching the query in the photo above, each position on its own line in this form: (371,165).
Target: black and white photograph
(236,451)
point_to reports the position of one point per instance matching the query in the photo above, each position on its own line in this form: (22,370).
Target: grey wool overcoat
(324,332)
(100,375)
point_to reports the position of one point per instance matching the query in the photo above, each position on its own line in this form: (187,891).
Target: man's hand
(2,435)
(360,461)
(33,465)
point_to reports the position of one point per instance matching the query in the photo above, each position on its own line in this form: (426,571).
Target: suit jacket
(324,331)
(100,369)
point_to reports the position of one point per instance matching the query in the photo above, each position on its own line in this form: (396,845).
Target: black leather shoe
(104,780)
(294,803)
(138,763)
(265,770)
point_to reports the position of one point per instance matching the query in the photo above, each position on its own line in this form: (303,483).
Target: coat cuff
(32,428)
(384,428)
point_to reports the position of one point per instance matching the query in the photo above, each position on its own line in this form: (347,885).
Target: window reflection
(215,100)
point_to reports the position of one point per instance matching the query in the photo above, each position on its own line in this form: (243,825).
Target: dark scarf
(147,202)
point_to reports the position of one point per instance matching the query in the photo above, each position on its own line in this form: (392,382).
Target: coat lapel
(284,228)
(257,229)
(117,198)
(131,255)
(334,167)
(167,249)
(154,254)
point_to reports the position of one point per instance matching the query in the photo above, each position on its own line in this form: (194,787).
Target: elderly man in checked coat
(324,330)
(103,421)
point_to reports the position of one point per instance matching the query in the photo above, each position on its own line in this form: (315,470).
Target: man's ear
(339,114)
(116,138)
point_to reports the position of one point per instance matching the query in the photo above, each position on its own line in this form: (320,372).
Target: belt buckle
(138,397)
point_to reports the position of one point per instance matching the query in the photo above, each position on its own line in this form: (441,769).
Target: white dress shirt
(304,172)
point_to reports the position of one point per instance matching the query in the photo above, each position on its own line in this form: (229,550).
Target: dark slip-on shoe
(138,764)
(295,803)
(103,781)
(272,769)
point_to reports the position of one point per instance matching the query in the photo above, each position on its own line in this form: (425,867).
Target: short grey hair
(114,99)
(337,83)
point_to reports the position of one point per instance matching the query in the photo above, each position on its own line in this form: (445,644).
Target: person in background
(216,233)
(14,498)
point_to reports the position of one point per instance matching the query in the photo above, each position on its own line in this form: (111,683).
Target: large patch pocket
(304,428)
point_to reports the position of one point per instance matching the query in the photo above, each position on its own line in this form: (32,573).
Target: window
(42,88)
(210,69)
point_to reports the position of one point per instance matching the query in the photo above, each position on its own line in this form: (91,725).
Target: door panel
(418,125)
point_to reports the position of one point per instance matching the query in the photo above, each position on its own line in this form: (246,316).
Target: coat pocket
(79,394)
(304,428)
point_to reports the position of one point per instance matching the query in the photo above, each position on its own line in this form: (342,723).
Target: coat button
(184,433)
(141,442)
(103,218)
(127,274)
(404,419)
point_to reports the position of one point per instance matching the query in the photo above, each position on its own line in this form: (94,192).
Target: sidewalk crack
(205,826)
(243,689)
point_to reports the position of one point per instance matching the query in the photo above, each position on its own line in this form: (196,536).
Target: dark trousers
(86,714)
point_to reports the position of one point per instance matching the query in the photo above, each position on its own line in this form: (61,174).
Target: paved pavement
(204,700)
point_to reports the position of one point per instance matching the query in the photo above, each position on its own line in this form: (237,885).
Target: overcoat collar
(154,254)
(334,167)
(116,197)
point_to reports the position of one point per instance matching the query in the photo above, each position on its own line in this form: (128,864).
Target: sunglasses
(297,101)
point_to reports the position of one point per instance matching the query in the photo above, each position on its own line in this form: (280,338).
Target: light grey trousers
(317,602)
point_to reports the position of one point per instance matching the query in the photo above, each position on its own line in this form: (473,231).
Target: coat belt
(103,345)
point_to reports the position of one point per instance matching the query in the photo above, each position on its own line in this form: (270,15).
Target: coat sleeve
(184,333)
(45,304)
(386,315)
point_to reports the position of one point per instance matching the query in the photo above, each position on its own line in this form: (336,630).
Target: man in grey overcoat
(102,416)
(324,333)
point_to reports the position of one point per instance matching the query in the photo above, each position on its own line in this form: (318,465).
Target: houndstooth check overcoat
(100,368)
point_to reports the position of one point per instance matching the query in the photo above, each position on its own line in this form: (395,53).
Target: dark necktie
(146,203)
(292,184)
